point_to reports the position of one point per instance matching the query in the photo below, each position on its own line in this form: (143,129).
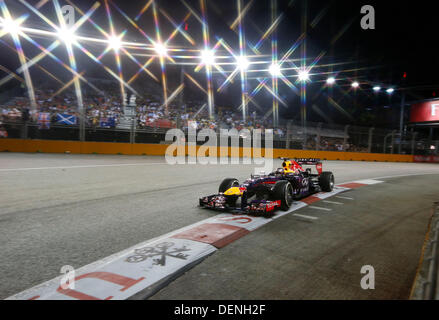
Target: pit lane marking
(319,208)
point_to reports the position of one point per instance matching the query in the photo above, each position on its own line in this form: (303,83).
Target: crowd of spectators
(108,111)
(333,144)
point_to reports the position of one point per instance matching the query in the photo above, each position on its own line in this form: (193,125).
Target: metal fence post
(401,121)
(133,131)
(319,129)
(305,137)
(24,131)
(289,134)
(81,126)
(369,142)
(393,142)
(345,138)
(414,134)
(385,142)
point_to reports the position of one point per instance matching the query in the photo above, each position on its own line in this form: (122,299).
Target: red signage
(425,111)
(431,159)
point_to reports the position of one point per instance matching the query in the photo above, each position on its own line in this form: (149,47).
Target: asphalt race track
(60,209)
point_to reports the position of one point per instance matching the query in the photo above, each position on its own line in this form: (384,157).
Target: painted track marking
(132,272)
(305,216)
(346,198)
(332,202)
(86,166)
(319,208)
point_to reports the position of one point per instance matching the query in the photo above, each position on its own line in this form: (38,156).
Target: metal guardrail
(431,285)
(426,286)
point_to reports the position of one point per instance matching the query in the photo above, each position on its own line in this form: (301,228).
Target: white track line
(332,202)
(394,176)
(346,198)
(404,175)
(304,216)
(319,208)
(87,166)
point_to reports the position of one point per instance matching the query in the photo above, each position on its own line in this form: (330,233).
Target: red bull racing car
(262,194)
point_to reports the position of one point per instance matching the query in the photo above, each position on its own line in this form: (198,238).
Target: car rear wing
(308,161)
(311,161)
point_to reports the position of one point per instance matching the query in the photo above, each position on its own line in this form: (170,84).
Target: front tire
(326,181)
(283,191)
(227,184)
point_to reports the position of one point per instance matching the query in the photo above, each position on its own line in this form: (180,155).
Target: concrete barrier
(56,146)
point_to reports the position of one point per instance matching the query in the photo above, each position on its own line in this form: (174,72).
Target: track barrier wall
(77,147)
(54,146)
(429,159)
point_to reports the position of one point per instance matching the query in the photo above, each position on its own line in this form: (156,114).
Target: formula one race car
(264,193)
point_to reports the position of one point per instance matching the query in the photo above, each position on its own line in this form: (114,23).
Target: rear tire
(326,181)
(283,191)
(227,184)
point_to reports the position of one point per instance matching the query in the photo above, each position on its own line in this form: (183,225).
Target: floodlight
(66,34)
(376,88)
(330,81)
(303,75)
(160,49)
(390,90)
(11,26)
(242,62)
(207,57)
(355,84)
(115,43)
(275,70)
